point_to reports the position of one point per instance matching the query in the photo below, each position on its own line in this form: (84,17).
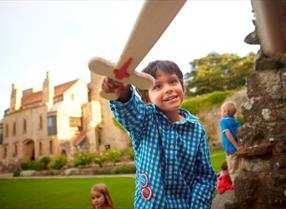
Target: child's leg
(233,166)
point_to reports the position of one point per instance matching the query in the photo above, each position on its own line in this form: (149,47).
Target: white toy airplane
(152,21)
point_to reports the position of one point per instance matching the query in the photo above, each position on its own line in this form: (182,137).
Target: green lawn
(62,193)
(217,157)
(71,193)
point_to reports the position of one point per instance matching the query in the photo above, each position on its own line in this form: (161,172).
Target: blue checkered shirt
(174,156)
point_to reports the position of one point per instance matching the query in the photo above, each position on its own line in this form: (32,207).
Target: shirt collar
(189,118)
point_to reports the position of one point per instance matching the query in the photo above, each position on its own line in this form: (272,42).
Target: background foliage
(205,102)
(218,72)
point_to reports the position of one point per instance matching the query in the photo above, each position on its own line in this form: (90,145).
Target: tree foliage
(218,72)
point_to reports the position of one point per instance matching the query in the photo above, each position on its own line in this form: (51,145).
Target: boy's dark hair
(224,166)
(164,65)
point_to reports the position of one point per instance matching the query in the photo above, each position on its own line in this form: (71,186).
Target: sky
(62,36)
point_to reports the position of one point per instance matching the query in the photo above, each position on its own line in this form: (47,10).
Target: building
(54,120)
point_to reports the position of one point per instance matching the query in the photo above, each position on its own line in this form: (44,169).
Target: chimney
(15,99)
(94,86)
(48,91)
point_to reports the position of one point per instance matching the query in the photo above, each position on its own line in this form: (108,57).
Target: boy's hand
(111,86)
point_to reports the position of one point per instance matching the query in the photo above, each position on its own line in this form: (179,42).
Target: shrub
(33,165)
(58,162)
(45,161)
(112,155)
(131,153)
(124,169)
(217,97)
(205,102)
(98,159)
(37,165)
(17,172)
(25,165)
(192,105)
(82,158)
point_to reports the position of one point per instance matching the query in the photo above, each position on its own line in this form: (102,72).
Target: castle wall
(261,180)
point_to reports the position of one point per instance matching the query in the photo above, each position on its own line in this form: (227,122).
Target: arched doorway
(29,150)
(64,152)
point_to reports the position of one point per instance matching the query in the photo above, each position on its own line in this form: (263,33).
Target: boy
(173,167)
(229,127)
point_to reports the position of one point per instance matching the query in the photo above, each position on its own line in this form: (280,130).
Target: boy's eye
(156,87)
(174,81)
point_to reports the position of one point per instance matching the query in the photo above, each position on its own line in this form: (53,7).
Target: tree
(218,72)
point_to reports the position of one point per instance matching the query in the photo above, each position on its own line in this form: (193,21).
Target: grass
(62,193)
(72,193)
(217,157)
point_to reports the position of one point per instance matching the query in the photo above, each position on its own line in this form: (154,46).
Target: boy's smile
(167,93)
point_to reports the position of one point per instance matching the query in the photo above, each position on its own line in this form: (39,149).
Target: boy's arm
(205,178)
(225,130)
(231,139)
(128,109)
(121,90)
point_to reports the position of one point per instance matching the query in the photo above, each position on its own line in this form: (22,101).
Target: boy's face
(223,112)
(167,92)
(97,199)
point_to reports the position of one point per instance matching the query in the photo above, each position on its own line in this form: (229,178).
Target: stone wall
(261,180)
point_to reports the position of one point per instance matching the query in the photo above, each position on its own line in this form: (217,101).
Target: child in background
(100,197)
(173,168)
(224,181)
(229,127)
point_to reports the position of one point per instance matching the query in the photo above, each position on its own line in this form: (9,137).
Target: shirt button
(171,147)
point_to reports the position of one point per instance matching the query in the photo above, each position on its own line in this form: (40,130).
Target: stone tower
(110,134)
(15,99)
(48,91)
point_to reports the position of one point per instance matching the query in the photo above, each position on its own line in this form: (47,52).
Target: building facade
(57,120)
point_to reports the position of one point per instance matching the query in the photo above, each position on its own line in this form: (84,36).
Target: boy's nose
(168,89)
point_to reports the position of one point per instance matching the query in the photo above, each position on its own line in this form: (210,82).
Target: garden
(72,193)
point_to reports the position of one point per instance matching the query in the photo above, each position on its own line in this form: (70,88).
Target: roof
(37,96)
(79,138)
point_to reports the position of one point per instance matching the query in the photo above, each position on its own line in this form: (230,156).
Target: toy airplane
(151,23)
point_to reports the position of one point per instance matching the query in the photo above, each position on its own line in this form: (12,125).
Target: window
(52,125)
(7,130)
(41,122)
(15,150)
(24,126)
(51,147)
(1,136)
(107,147)
(4,151)
(72,97)
(58,98)
(75,123)
(14,128)
(40,148)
